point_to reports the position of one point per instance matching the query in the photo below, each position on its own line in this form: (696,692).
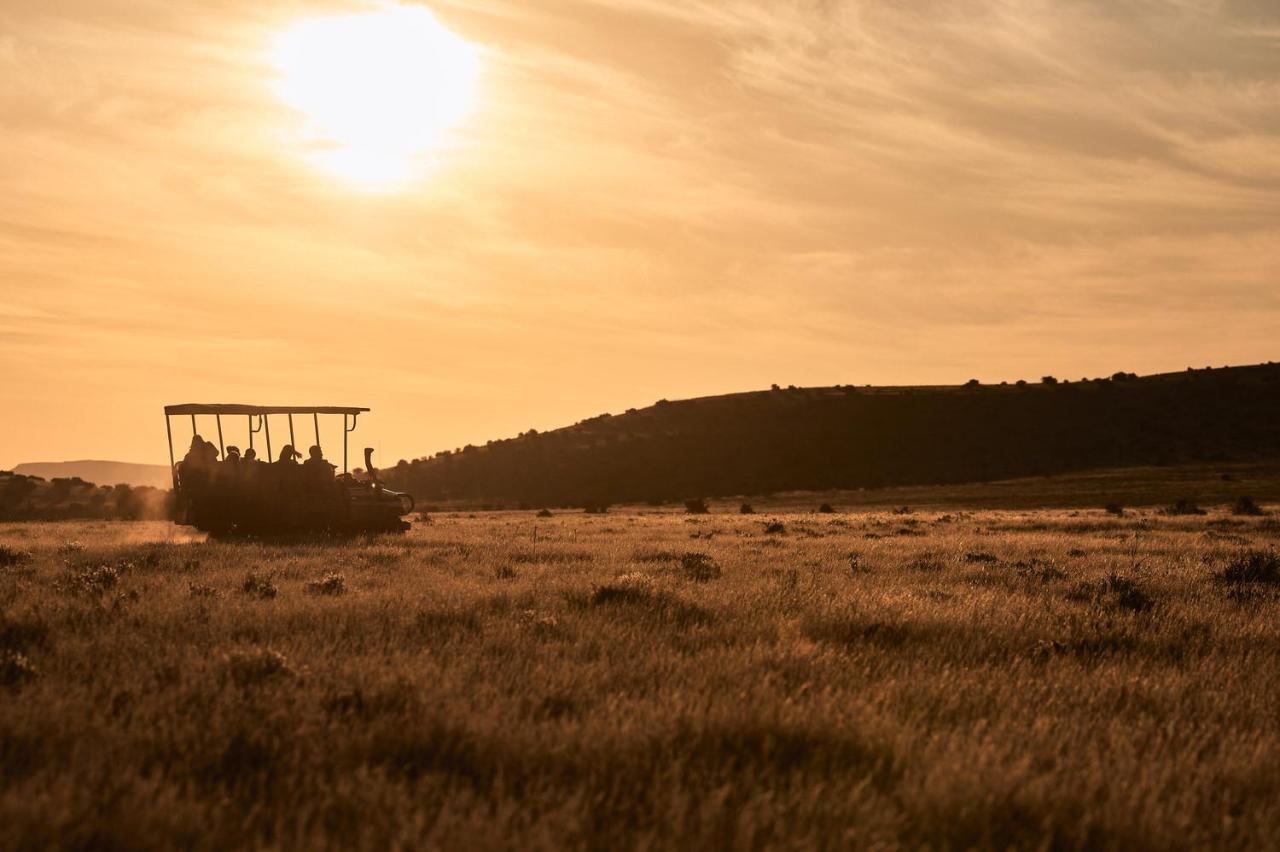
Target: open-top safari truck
(221,491)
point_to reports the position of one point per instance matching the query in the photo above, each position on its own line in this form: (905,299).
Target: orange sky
(648,198)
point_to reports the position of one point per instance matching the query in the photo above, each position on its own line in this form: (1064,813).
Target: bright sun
(379,90)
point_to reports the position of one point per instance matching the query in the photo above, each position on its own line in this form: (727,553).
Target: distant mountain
(101,472)
(788,439)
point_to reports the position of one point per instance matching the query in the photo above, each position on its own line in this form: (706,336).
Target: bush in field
(255,666)
(1252,566)
(92,580)
(1246,506)
(10,556)
(1113,591)
(15,668)
(775,528)
(1114,509)
(258,587)
(595,508)
(699,567)
(746,509)
(330,584)
(544,513)
(1184,507)
(826,509)
(697,506)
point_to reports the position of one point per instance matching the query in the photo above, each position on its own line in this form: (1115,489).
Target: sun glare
(379,91)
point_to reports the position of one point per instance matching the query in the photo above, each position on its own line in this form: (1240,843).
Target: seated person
(194,467)
(318,470)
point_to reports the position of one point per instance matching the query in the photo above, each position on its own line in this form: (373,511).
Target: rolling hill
(105,472)
(789,439)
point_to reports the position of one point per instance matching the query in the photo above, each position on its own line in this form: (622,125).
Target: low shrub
(1038,569)
(636,593)
(10,556)
(92,580)
(1260,567)
(1113,591)
(1114,509)
(255,666)
(699,567)
(1246,506)
(15,668)
(330,584)
(826,509)
(1184,507)
(696,507)
(258,587)
(746,509)
(775,528)
(927,561)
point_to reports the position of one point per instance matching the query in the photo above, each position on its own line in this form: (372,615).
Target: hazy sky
(648,198)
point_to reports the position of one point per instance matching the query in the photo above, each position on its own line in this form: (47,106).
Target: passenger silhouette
(319,471)
(194,467)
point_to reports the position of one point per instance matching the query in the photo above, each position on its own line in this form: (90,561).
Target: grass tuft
(255,666)
(259,587)
(15,668)
(11,556)
(699,567)
(330,584)
(1114,592)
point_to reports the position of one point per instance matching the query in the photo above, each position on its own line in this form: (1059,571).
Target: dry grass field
(1033,679)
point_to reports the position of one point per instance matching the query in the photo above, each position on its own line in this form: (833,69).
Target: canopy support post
(292,442)
(346,431)
(193,426)
(173,466)
(261,419)
(266,423)
(222,451)
(315,421)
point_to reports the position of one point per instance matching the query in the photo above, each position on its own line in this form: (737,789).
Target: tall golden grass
(1038,679)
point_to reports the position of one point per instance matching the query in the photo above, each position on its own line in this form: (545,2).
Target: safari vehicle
(226,493)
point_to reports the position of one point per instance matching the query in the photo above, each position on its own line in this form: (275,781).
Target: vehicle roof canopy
(234,408)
